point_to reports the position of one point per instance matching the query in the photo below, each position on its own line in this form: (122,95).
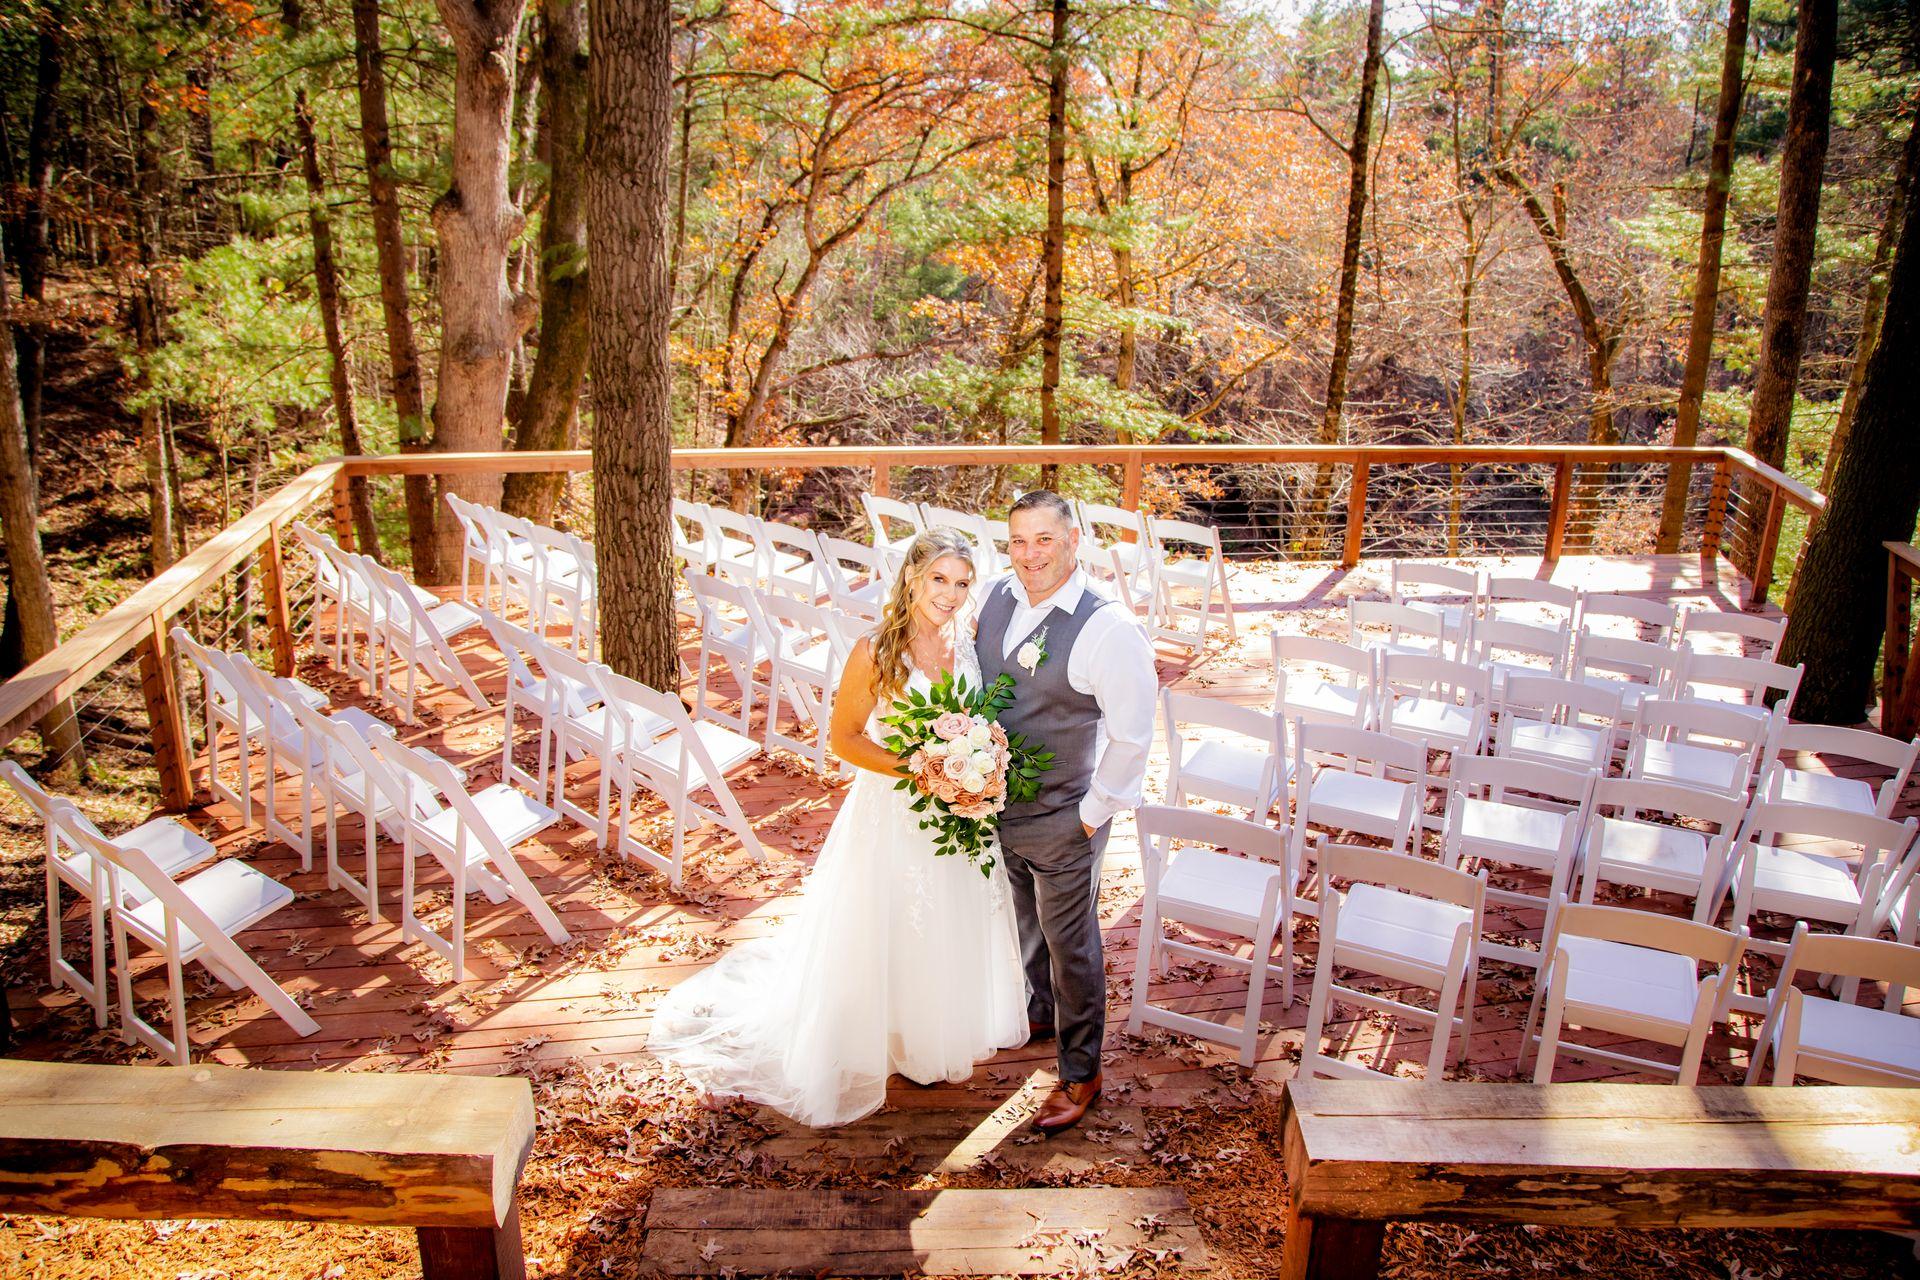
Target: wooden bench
(441,1154)
(1360,1154)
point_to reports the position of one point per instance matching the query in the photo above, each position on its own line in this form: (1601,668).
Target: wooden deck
(384,1005)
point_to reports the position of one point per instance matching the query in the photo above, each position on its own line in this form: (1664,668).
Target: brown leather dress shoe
(1066,1105)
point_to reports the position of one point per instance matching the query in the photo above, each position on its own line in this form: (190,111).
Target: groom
(1084,689)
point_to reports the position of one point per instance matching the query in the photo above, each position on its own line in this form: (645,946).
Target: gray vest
(1046,708)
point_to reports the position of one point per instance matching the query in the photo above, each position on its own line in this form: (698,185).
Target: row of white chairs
(1414,923)
(553,576)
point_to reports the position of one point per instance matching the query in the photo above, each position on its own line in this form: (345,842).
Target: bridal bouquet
(964,768)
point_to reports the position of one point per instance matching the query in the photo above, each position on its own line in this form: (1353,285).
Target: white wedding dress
(894,960)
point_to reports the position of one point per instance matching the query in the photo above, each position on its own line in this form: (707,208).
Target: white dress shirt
(1112,663)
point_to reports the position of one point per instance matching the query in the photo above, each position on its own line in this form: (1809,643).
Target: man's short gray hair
(1044,500)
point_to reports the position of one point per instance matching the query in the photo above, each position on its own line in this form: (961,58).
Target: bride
(895,960)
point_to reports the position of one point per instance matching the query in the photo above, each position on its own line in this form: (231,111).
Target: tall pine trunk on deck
(1054,245)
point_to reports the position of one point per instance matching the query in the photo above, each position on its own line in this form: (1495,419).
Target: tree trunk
(630,105)
(403,355)
(1054,247)
(30,339)
(145,321)
(28,591)
(1783,326)
(550,417)
(1706,279)
(1463,389)
(1357,151)
(476,221)
(1841,588)
(327,287)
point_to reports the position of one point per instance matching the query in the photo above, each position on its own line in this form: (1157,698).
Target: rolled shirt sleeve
(1113,663)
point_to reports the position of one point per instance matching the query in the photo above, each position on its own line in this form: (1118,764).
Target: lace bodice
(966,662)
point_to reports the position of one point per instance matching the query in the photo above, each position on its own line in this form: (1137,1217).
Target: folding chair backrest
(323,549)
(1159,824)
(217,675)
(1202,536)
(972,525)
(849,566)
(1338,655)
(1756,678)
(1704,943)
(715,596)
(1106,524)
(1707,724)
(1878,839)
(1850,956)
(1495,636)
(790,540)
(1398,619)
(54,812)
(1218,713)
(692,532)
(1497,776)
(799,624)
(1464,583)
(1828,741)
(569,677)
(882,510)
(1661,618)
(1632,797)
(1438,678)
(1363,749)
(1615,657)
(1532,590)
(1353,862)
(1557,701)
(1741,629)
(471,517)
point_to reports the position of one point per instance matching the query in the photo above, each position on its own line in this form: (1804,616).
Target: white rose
(935,749)
(956,766)
(980,735)
(983,762)
(974,781)
(1028,656)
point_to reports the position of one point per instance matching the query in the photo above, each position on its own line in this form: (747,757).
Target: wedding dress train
(893,960)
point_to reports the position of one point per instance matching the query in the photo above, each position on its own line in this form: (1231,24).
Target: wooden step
(940,1140)
(1030,1231)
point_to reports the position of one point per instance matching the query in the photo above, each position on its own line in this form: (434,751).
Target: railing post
(1769,540)
(171,754)
(1896,707)
(1557,513)
(343,513)
(882,480)
(279,616)
(1130,482)
(1356,513)
(1716,524)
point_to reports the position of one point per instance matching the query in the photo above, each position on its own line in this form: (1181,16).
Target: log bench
(1360,1154)
(440,1154)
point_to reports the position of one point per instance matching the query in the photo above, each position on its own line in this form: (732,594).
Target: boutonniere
(1033,652)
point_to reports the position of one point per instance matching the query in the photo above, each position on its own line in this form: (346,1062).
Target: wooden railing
(1900,669)
(140,624)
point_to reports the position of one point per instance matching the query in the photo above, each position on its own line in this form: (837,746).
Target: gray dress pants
(1054,870)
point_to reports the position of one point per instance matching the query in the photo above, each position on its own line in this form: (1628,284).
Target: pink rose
(955,766)
(952,724)
(976,811)
(946,790)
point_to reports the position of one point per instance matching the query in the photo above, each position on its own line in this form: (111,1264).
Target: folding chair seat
(675,763)
(1728,632)
(1241,761)
(472,837)
(1745,684)
(172,846)
(1837,1039)
(1781,781)
(856,582)
(1204,574)
(1340,691)
(1815,865)
(1506,648)
(1455,598)
(1634,669)
(1629,973)
(808,656)
(732,631)
(1434,701)
(895,524)
(1409,630)
(1628,617)
(1230,878)
(1406,920)
(190,920)
(1708,745)
(1564,723)
(1516,599)
(1516,814)
(1661,838)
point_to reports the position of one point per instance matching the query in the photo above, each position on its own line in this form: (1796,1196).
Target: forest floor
(613,1129)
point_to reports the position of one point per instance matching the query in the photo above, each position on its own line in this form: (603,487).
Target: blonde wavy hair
(893,637)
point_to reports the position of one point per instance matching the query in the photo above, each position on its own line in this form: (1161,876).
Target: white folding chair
(270,704)
(1816,865)
(1516,599)
(472,837)
(1718,631)
(1231,878)
(172,846)
(421,638)
(1404,919)
(1629,973)
(1434,701)
(1661,838)
(1409,630)
(1840,1040)
(1455,598)
(583,728)
(1344,780)
(856,581)
(1781,781)
(1516,814)
(730,630)
(1709,745)
(1507,648)
(330,587)
(1242,759)
(986,553)
(1634,669)
(1565,723)
(694,537)
(1125,533)
(1337,689)
(808,657)
(567,588)
(1204,574)
(478,546)
(738,556)
(675,763)
(1101,565)
(227,711)
(350,777)
(885,513)
(1628,617)
(796,557)
(188,920)
(1750,685)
